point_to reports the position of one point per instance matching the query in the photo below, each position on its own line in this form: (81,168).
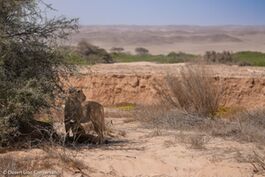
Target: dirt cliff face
(116,89)
(141,84)
(111,86)
(244,92)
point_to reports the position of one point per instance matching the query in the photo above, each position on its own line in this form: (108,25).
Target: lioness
(94,112)
(73,112)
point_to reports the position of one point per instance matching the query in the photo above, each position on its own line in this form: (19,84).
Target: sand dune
(164,39)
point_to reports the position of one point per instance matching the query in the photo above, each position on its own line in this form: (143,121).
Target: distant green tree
(173,55)
(30,66)
(117,49)
(93,54)
(141,51)
(216,57)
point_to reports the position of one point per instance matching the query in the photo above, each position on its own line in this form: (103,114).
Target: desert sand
(164,39)
(140,152)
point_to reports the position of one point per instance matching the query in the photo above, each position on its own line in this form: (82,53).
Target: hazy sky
(163,12)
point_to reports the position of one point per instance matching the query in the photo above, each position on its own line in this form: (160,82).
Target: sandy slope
(147,153)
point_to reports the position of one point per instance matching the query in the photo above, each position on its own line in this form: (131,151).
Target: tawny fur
(94,112)
(73,112)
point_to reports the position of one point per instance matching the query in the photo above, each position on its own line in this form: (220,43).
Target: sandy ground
(143,152)
(149,68)
(148,153)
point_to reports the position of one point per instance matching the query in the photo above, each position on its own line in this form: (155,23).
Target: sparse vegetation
(126,107)
(244,58)
(258,162)
(224,57)
(196,102)
(240,58)
(176,58)
(194,141)
(252,125)
(194,92)
(49,162)
(246,126)
(249,58)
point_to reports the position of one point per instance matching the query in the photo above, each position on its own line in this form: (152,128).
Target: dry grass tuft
(252,125)
(163,117)
(246,126)
(259,163)
(198,141)
(26,166)
(67,160)
(193,141)
(53,160)
(194,91)
(256,159)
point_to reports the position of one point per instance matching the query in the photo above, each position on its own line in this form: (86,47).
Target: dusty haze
(164,39)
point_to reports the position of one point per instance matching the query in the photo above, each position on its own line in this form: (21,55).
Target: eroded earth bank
(140,83)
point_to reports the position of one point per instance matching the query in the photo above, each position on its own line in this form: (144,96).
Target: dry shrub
(153,116)
(195,141)
(13,166)
(259,163)
(252,125)
(256,159)
(67,159)
(160,116)
(155,133)
(225,57)
(195,91)
(55,161)
(116,113)
(247,126)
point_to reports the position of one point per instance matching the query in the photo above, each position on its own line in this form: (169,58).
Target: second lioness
(94,112)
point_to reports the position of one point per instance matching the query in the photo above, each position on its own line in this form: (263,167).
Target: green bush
(178,58)
(93,54)
(117,49)
(30,66)
(141,51)
(251,58)
(72,57)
